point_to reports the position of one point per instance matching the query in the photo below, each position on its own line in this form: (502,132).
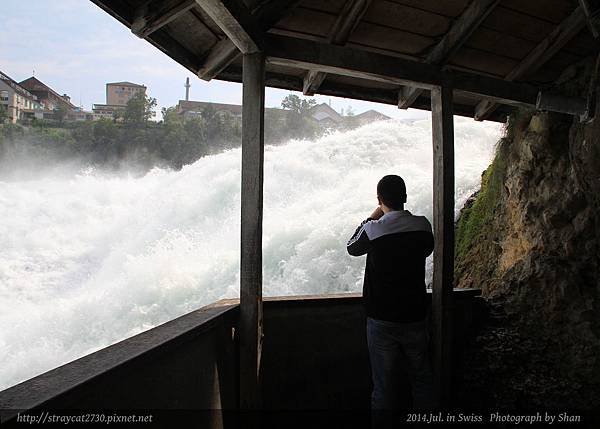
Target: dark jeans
(398,351)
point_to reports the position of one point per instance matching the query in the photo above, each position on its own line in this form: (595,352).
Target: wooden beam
(235,20)
(251,315)
(376,95)
(443,227)
(225,52)
(591,9)
(545,50)
(312,81)
(218,58)
(347,21)
(309,55)
(157,13)
(458,34)
(550,102)
(345,24)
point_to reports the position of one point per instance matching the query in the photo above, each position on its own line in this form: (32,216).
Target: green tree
(170,116)
(139,110)
(300,106)
(60,113)
(299,123)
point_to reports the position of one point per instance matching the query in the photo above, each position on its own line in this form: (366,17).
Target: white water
(89,259)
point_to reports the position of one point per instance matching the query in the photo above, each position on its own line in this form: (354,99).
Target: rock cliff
(530,240)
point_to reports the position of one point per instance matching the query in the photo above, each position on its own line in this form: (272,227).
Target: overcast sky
(75,48)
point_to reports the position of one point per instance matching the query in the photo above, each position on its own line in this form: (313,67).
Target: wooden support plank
(251,316)
(235,20)
(345,24)
(218,58)
(591,9)
(545,50)
(336,89)
(309,55)
(577,106)
(347,21)
(157,13)
(443,226)
(312,81)
(225,52)
(458,34)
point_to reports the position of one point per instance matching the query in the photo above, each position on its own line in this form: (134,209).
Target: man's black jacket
(396,245)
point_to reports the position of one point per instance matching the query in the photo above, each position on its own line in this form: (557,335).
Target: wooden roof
(34,85)
(495,53)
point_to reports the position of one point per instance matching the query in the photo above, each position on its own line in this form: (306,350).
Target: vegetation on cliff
(480,211)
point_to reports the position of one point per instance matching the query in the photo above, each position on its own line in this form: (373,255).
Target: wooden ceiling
(495,53)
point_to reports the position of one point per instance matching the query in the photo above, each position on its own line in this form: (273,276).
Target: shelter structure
(476,58)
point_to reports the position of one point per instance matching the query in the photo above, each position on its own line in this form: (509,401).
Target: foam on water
(89,259)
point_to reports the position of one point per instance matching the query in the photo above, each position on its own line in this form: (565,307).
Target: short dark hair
(391,190)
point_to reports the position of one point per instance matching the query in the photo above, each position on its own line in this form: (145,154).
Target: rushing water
(88,259)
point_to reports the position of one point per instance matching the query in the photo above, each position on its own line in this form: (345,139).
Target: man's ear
(378,200)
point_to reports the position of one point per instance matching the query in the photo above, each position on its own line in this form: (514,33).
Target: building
(323,113)
(47,97)
(119,93)
(117,96)
(326,116)
(191,109)
(105,111)
(18,101)
(370,116)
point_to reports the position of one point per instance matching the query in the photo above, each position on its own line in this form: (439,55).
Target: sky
(76,48)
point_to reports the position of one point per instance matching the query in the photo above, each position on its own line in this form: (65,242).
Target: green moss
(481,213)
(475,219)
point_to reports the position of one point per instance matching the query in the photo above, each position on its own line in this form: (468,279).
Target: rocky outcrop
(530,240)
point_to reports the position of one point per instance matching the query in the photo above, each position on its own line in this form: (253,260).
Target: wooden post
(253,103)
(443,225)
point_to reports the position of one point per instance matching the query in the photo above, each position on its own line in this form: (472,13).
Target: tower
(187,89)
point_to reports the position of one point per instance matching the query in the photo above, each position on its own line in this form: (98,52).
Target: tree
(60,113)
(170,116)
(299,122)
(350,121)
(139,109)
(298,105)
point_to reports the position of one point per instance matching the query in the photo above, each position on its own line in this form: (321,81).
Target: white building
(18,102)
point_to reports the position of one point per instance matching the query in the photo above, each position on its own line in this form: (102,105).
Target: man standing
(397,244)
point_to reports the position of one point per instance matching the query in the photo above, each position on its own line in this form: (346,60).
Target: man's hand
(377,213)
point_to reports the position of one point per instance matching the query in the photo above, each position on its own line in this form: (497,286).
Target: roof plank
(225,51)
(458,34)
(336,89)
(366,65)
(591,8)
(235,20)
(157,13)
(221,55)
(539,56)
(407,18)
(166,43)
(347,21)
